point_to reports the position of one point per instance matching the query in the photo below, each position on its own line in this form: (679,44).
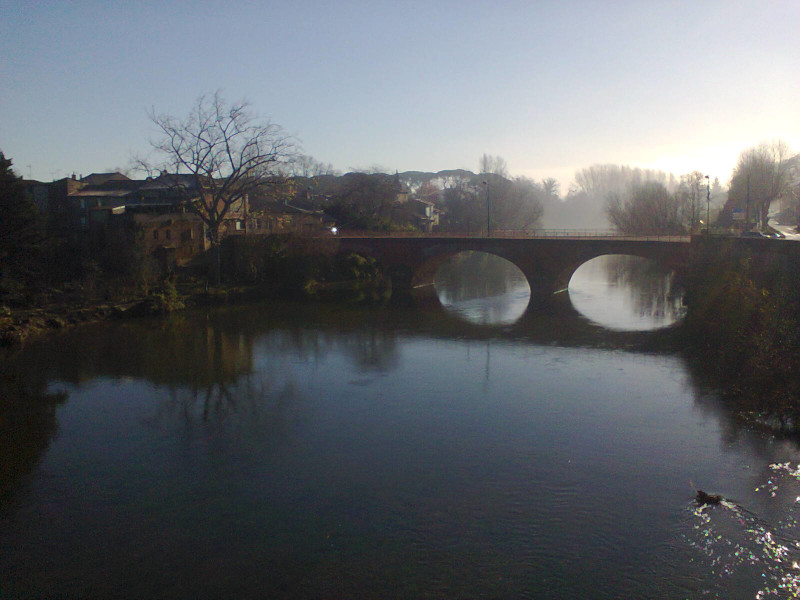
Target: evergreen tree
(20,233)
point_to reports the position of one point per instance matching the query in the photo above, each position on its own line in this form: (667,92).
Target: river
(456,445)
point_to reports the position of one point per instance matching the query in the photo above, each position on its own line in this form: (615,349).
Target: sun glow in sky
(551,87)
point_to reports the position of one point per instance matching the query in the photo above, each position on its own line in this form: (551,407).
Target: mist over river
(458,444)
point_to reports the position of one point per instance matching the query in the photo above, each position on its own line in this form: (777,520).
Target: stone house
(286,218)
(422,214)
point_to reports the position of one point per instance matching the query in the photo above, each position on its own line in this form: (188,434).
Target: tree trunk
(215,266)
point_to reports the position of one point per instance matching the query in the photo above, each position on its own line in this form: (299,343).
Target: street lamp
(488,210)
(708,205)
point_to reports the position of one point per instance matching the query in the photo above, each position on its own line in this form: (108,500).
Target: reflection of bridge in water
(552,322)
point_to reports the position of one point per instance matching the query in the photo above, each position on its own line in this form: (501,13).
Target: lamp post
(708,205)
(747,205)
(488,210)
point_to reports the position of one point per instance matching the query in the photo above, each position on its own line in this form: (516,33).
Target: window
(169,234)
(155,235)
(239,225)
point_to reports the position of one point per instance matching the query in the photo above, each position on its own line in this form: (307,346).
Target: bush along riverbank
(292,265)
(741,336)
(19,323)
(256,268)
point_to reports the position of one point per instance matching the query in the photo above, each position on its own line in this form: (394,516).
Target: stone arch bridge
(547,262)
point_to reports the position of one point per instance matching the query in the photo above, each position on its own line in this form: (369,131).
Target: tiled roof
(167,181)
(101,178)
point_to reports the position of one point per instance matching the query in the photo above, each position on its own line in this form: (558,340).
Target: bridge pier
(544,298)
(543,288)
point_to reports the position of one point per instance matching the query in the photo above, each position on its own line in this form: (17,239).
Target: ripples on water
(742,555)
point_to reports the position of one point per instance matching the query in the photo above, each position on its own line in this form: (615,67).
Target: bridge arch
(564,276)
(426,272)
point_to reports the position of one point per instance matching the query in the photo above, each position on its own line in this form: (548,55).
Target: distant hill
(414,179)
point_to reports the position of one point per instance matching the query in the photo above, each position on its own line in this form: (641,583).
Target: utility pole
(488,210)
(708,205)
(747,206)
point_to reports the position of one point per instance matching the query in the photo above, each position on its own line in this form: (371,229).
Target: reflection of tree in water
(205,362)
(177,351)
(241,391)
(470,275)
(233,401)
(27,420)
(371,350)
(654,291)
(252,411)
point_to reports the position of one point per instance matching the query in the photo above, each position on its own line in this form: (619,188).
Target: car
(753,234)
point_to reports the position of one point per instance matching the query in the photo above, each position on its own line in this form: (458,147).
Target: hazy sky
(550,86)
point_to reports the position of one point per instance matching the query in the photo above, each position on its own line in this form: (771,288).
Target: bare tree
(218,155)
(493,164)
(551,187)
(304,165)
(517,203)
(691,196)
(466,211)
(604,181)
(649,210)
(761,176)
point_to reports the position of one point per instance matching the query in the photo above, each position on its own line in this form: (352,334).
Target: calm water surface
(407,451)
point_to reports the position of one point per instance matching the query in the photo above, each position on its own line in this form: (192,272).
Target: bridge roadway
(547,260)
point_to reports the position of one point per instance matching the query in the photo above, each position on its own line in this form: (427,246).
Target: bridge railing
(515,234)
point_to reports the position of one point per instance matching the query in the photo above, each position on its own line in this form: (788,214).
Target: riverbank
(285,266)
(17,325)
(742,329)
